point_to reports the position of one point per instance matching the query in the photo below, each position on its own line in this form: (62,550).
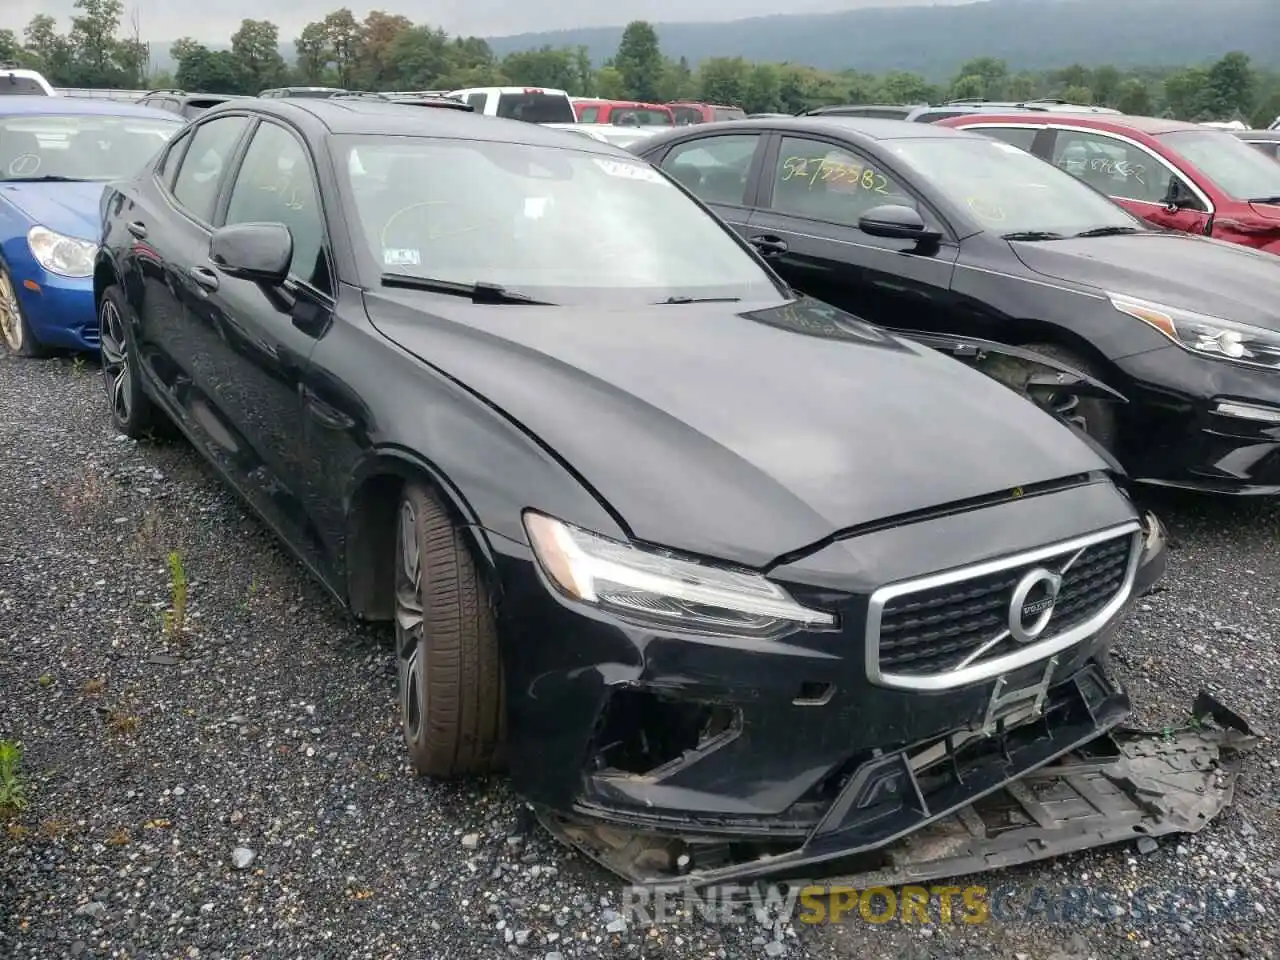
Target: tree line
(389,52)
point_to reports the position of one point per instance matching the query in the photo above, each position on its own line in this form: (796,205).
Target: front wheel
(14,328)
(448,667)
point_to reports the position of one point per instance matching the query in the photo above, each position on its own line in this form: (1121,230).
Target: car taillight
(531,90)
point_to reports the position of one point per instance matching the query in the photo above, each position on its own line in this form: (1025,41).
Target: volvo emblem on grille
(1031,606)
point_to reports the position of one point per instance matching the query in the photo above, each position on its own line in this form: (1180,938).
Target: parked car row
(734,579)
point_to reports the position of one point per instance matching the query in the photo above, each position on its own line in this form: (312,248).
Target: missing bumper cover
(1091,792)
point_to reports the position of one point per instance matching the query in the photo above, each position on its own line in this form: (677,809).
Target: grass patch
(13,792)
(175,617)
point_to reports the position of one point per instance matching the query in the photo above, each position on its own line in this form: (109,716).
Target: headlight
(650,586)
(1203,334)
(60,254)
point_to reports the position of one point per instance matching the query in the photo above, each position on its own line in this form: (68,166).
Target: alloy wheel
(409,623)
(115,361)
(10,318)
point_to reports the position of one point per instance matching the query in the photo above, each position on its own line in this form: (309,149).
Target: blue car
(55,155)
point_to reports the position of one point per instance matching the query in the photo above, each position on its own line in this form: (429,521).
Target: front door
(264,336)
(813,193)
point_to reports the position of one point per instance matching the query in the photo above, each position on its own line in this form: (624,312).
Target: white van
(531,104)
(24,83)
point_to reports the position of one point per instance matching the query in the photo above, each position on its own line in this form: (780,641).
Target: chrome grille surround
(1041,649)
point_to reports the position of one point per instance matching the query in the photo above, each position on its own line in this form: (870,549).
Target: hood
(740,435)
(1196,273)
(1268,211)
(68,208)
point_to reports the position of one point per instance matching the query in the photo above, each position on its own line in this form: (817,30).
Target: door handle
(138,229)
(205,278)
(769,246)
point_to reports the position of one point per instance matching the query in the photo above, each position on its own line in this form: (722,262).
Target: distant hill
(1029,34)
(935,40)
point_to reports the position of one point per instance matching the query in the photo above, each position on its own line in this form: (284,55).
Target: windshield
(1008,190)
(560,224)
(640,117)
(73,147)
(536,107)
(1237,169)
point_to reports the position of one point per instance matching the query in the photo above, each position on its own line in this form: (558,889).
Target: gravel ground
(235,786)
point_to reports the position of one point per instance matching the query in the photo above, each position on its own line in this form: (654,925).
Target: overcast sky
(170,19)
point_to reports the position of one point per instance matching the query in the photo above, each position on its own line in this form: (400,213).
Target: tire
(133,413)
(1099,416)
(15,331)
(449,675)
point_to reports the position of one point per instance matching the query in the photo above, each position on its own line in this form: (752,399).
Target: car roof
(1152,126)
(869,128)
(388,118)
(46,106)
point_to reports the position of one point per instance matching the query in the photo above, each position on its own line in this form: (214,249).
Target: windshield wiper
(700,300)
(1032,235)
(1264,199)
(1109,231)
(478,292)
(47,178)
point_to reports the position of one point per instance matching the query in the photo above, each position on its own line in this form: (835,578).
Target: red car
(689,111)
(624,113)
(1181,176)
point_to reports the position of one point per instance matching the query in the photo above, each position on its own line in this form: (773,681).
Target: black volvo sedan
(920,228)
(696,556)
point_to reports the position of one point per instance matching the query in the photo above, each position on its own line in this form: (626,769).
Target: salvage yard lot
(265,721)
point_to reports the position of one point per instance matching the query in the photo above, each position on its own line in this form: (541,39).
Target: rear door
(812,193)
(721,170)
(170,224)
(1131,174)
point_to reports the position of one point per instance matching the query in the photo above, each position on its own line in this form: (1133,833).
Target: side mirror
(260,252)
(897,223)
(1178,196)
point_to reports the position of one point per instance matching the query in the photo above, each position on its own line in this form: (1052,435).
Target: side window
(589,115)
(276,184)
(212,143)
(714,169)
(478,101)
(1020,137)
(169,162)
(824,182)
(686,115)
(1112,166)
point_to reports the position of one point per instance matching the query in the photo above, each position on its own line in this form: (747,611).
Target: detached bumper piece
(928,814)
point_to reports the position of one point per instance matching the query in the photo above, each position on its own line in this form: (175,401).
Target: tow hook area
(1125,784)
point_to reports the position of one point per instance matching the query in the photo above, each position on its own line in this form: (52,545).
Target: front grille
(937,627)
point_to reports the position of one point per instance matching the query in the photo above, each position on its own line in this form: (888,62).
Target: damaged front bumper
(1055,785)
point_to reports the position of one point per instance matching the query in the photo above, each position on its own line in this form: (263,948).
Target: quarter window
(276,185)
(212,144)
(824,182)
(714,169)
(1112,166)
(589,114)
(478,101)
(1020,137)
